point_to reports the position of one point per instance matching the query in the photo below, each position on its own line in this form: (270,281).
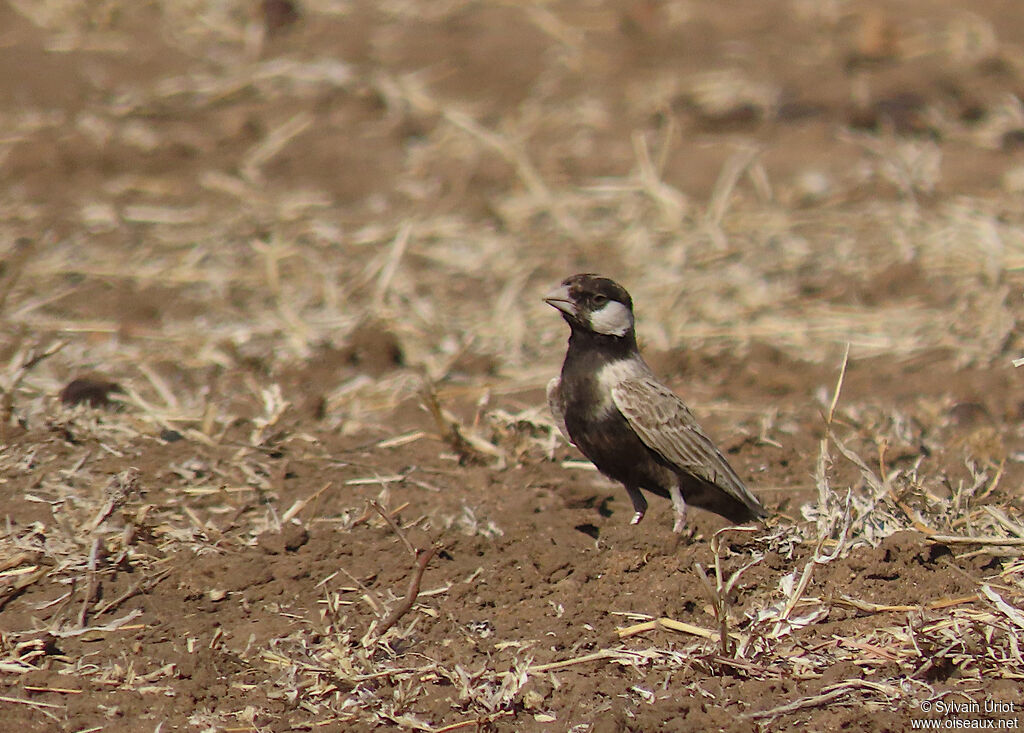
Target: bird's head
(595,304)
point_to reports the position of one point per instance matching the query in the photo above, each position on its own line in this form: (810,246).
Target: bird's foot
(680,523)
(679,509)
(639,503)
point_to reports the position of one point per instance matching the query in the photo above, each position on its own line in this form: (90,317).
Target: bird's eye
(600,299)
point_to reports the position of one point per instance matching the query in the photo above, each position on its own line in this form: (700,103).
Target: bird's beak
(559,298)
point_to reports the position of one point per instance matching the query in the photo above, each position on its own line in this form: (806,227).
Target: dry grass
(251,277)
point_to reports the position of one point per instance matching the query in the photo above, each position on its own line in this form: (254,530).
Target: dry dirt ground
(294,257)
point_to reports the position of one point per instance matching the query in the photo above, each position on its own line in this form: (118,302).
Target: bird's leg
(639,503)
(679,506)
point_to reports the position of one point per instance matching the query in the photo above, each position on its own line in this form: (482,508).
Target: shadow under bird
(608,403)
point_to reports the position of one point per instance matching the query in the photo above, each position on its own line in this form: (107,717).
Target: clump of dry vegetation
(275,454)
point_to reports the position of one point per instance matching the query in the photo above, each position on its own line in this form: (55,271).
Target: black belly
(617,451)
(610,443)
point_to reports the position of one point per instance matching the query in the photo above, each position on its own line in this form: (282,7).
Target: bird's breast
(587,387)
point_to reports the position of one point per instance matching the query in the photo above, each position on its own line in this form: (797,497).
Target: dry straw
(211,293)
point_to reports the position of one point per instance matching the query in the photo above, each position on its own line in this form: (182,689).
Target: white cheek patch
(613,319)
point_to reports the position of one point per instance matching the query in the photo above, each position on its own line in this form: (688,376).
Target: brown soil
(268,263)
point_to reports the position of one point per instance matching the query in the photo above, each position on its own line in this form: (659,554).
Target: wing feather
(557,406)
(666,425)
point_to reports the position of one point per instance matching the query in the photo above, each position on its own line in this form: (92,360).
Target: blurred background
(293,251)
(799,173)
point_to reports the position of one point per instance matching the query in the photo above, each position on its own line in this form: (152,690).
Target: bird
(635,430)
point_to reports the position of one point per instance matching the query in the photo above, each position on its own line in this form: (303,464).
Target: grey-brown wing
(557,407)
(667,427)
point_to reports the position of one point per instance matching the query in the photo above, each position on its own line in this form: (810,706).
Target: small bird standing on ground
(608,403)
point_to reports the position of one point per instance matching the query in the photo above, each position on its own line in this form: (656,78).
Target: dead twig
(20,365)
(57,690)
(116,492)
(478,722)
(14,590)
(394,527)
(143,586)
(39,706)
(827,695)
(20,558)
(368,595)
(594,657)
(422,558)
(805,702)
(869,607)
(672,625)
(949,539)
(721,589)
(90,585)
(365,516)
(470,449)
(300,504)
